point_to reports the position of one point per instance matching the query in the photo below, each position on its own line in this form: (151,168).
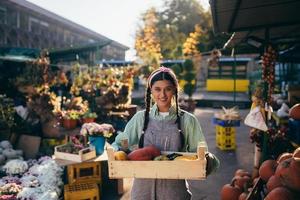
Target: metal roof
(272,20)
(64,21)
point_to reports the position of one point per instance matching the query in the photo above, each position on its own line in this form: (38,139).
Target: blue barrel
(98,142)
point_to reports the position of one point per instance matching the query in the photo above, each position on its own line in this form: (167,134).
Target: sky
(115,19)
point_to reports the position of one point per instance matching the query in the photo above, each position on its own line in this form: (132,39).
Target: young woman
(167,127)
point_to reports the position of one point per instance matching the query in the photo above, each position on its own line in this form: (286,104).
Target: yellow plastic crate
(226,144)
(81,191)
(225,130)
(84,172)
(225,138)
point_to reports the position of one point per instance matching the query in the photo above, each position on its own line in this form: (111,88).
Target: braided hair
(161,74)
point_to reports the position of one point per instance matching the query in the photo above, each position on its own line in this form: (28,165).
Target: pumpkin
(280,193)
(283,157)
(242,182)
(243,196)
(267,169)
(230,192)
(295,112)
(296,154)
(273,182)
(292,178)
(242,172)
(282,168)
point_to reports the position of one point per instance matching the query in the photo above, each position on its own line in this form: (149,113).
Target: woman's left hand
(212,163)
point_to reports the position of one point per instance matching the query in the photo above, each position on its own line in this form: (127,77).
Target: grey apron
(164,135)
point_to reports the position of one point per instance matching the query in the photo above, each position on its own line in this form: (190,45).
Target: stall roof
(279,20)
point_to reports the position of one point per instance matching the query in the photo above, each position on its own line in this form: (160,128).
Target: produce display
(280,179)
(157,164)
(268,70)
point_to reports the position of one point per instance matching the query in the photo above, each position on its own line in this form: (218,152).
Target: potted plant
(189,86)
(7,112)
(70,118)
(97,134)
(89,117)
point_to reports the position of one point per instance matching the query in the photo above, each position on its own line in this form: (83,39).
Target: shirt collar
(154,110)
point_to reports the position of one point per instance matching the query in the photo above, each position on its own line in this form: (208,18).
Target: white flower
(97,129)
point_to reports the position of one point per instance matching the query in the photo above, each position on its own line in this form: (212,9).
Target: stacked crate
(83,181)
(225,138)
(225,133)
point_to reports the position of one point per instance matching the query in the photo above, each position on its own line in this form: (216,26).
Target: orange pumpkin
(283,157)
(280,193)
(230,192)
(295,112)
(267,169)
(242,172)
(273,182)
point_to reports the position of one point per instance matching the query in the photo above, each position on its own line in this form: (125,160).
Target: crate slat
(175,169)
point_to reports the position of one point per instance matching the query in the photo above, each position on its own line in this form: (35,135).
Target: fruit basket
(163,169)
(78,156)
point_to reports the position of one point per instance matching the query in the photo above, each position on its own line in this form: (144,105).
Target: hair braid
(178,121)
(146,121)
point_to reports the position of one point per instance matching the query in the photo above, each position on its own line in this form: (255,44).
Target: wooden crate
(175,169)
(84,154)
(84,172)
(81,191)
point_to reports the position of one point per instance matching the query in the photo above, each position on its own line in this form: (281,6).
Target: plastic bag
(255,119)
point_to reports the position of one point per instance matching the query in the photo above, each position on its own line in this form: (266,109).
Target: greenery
(7,112)
(175,23)
(189,76)
(89,114)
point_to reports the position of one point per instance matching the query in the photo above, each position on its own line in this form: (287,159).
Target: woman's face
(162,93)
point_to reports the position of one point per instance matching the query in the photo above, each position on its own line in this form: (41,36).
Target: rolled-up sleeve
(131,132)
(193,132)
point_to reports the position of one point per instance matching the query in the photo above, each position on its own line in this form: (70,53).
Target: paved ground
(242,157)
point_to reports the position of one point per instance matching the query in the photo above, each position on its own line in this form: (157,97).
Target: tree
(190,46)
(176,22)
(147,43)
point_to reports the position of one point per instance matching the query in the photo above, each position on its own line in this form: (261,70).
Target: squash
(282,168)
(242,182)
(243,196)
(292,178)
(281,193)
(273,182)
(120,155)
(267,169)
(242,172)
(295,112)
(296,154)
(230,192)
(283,157)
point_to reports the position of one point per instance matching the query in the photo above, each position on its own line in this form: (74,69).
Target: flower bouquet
(97,133)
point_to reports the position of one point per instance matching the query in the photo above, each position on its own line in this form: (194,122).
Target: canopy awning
(272,20)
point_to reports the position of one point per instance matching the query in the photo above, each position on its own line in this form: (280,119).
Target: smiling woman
(168,128)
